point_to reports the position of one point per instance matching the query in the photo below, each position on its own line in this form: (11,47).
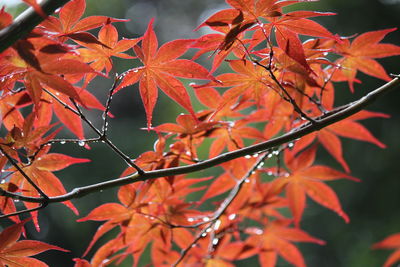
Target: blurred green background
(373,205)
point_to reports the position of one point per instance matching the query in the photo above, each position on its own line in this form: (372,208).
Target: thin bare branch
(108,105)
(41,206)
(24,174)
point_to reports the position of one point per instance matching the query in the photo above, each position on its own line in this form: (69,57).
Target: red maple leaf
(348,128)
(390,242)
(160,69)
(307,179)
(14,253)
(360,54)
(38,69)
(41,173)
(276,239)
(100,54)
(70,25)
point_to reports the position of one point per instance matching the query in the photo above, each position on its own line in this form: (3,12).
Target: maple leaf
(390,242)
(41,173)
(39,69)
(211,98)
(190,131)
(231,136)
(100,54)
(160,69)
(360,54)
(348,128)
(214,42)
(307,179)
(14,253)
(286,30)
(28,137)
(7,205)
(248,80)
(286,26)
(157,159)
(223,253)
(9,109)
(245,12)
(69,24)
(73,122)
(142,209)
(276,239)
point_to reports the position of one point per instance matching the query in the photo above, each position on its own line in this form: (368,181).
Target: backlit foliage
(282,71)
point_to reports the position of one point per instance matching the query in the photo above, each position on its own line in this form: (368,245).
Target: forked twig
(223,206)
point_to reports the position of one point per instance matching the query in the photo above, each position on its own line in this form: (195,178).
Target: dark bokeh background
(373,205)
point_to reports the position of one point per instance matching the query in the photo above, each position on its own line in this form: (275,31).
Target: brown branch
(323,121)
(103,137)
(26,22)
(41,206)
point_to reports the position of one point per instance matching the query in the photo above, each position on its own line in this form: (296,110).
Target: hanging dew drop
(81,143)
(217,224)
(62,142)
(247,157)
(215,241)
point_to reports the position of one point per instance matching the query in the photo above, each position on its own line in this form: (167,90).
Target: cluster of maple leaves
(276,82)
